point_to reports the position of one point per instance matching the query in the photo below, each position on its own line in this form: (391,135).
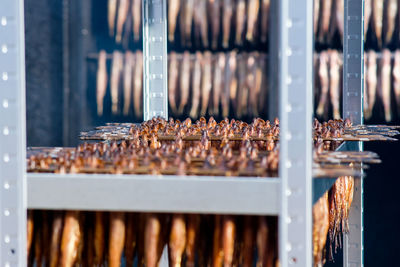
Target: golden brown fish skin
(320,227)
(136,9)
(334,75)
(70,239)
(377,19)
(367,16)
(228,238)
(218,253)
(116,238)
(339,17)
(173,81)
(316,15)
(177,239)
(196,85)
(390,19)
(130,239)
(324,82)
(218,82)
(116,69)
(99,237)
(173,10)
(254,82)
(252,18)
(151,237)
(29,232)
(385,83)
(138,85)
(123,10)
(184,82)
(371,82)
(231,79)
(112,11)
(262,240)
(201,11)
(206,83)
(325,6)
(101,81)
(248,241)
(264,20)
(227,8)
(128,73)
(215,16)
(189,4)
(193,234)
(243,86)
(240,21)
(57,229)
(396,78)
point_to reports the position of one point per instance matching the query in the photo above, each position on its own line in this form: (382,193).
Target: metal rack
(289,197)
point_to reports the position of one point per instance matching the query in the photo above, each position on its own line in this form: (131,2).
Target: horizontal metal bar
(194,194)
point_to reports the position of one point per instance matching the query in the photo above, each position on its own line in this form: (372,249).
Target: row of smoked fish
(381,83)
(220,84)
(199,23)
(78,238)
(381,21)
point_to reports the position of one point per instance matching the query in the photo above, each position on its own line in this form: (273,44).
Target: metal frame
(290,197)
(12,139)
(155,63)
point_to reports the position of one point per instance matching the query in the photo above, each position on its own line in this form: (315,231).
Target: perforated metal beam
(295,88)
(12,135)
(155,62)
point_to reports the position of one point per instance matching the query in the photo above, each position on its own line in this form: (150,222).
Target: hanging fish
(264,19)
(320,228)
(200,21)
(390,15)
(231,83)
(196,85)
(377,19)
(56,234)
(396,78)
(240,21)
(29,232)
(215,16)
(184,82)
(136,10)
(248,241)
(130,238)
(99,237)
(70,239)
(173,81)
(326,6)
(128,73)
(365,89)
(116,238)
(324,82)
(101,81)
(116,70)
(371,82)
(173,10)
(263,244)
(243,90)
(385,83)
(177,239)
(138,85)
(217,256)
(316,15)
(218,81)
(339,18)
(192,238)
(228,239)
(123,10)
(252,18)
(254,83)
(112,11)
(188,4)
(151,238)
(206,83)
(334,82)
(367,16)
(226,23)
(262,100)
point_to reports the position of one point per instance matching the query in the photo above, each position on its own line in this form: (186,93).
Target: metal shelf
(154,193)
(289,197)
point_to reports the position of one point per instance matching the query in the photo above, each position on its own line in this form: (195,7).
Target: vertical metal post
(12,135)
(353,82)
(155,62)
(295,88)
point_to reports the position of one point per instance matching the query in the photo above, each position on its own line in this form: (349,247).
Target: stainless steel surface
(155,62)
(154,193)
(353,61)
(12,135)
(295,88)
(353,82)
